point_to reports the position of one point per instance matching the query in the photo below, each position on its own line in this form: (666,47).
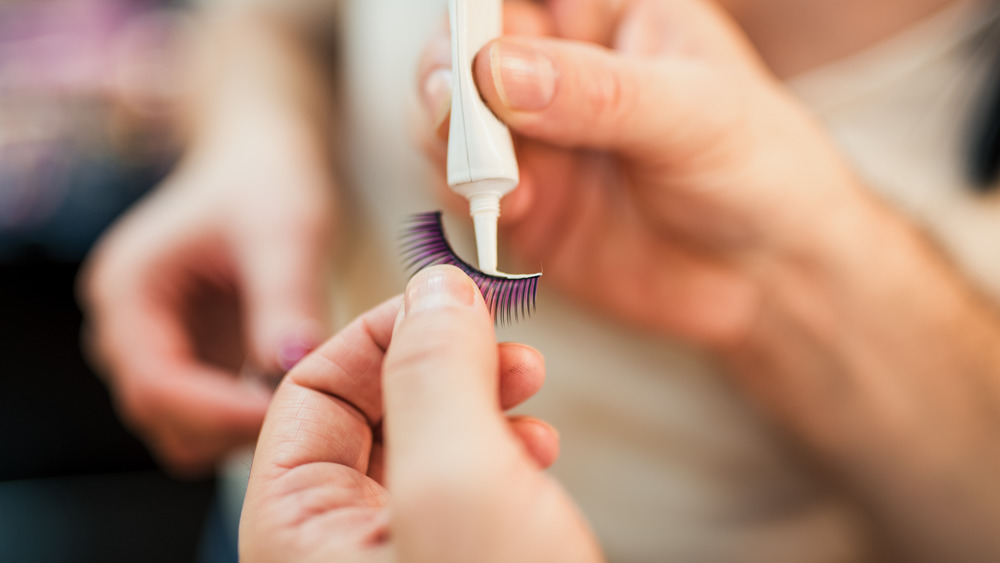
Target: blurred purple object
(56,45)
(65,162)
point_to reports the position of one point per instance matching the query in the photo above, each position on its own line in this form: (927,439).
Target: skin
(221,272)
(257,238)
(422,445)
(670,182)
(674,158)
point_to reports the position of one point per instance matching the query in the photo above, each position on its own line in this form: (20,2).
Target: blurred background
(85,93)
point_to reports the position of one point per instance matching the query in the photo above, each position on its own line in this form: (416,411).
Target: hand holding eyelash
(390,444)
(662,170)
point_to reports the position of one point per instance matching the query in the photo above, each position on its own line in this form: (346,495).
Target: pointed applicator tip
(509,298)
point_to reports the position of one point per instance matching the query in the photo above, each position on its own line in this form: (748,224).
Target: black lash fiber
(423,244)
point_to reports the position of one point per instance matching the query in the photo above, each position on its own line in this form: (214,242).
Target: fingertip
(574,94)
(524,353)
(522,373)
(438,287)
(278,345)
(539,439)
(435,92)
(298,342)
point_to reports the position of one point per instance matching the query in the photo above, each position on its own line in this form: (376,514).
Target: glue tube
(481,162)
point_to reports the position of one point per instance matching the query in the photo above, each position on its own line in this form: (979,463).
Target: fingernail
(436,94)
(525,78)
(291,354)
(297,346)
(440,287)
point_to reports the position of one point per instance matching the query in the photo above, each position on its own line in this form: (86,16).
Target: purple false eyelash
(509,298)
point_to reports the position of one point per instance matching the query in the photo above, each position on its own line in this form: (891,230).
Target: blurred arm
(873,350)
(261,68)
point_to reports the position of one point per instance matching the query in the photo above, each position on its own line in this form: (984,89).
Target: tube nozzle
(485,211)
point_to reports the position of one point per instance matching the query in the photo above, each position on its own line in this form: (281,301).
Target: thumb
(673,88)
(447,444)
(441,370)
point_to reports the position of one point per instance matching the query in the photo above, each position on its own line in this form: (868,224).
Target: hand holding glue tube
(648,169)
(390,444)
(670,181)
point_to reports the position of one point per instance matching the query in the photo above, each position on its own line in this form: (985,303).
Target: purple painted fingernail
(292,353)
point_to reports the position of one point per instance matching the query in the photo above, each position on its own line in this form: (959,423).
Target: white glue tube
(481,162)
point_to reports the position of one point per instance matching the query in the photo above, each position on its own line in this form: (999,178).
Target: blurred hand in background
(222,270)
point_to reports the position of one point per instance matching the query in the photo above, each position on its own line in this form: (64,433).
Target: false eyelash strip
(508,298)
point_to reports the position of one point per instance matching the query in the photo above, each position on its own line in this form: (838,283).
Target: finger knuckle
(431,343)
(607,93)
(413,361)
(604,93)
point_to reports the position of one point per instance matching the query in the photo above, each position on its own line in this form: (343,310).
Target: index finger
(324,409)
